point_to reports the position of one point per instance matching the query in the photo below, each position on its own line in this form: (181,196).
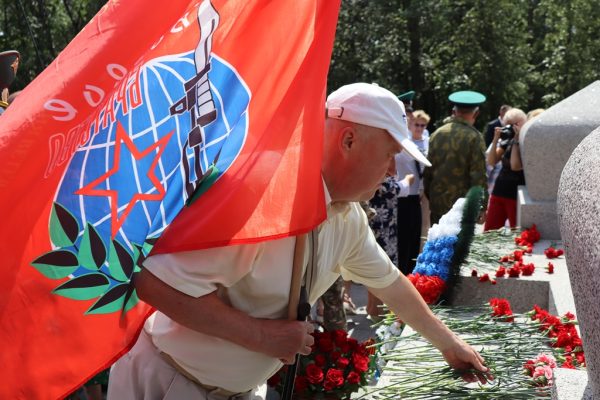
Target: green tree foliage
(569,51)
(40,29)
(528,53)
(371,44)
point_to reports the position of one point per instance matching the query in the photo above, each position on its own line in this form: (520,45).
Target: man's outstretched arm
(404,300)
(209,315)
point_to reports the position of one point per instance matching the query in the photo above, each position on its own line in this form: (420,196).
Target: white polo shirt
(255,278)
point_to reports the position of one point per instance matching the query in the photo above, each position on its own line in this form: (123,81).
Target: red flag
(192,126)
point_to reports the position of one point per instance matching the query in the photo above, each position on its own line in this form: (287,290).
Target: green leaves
(84,287)
(94,271)
(120,297)
(92,253)
(63,226)
(56,264)
(120,262)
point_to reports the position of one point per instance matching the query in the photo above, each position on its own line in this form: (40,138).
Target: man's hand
(409,178)
(467,361)
(284,339)
(408,305)
(209,315)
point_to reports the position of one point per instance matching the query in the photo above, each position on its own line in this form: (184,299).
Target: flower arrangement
(513,264)
(337,367)
(446,248)
(507,341)
(561,331)
(528,237)
(563,335)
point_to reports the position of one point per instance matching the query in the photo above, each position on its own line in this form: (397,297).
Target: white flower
(449,224)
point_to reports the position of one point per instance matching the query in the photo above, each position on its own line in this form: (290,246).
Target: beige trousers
(143,374)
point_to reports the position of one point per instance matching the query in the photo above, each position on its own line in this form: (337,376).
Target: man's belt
(210,389)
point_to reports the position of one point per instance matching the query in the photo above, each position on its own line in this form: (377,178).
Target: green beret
(466,98)
(407,97)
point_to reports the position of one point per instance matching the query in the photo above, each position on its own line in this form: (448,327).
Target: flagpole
(298,309)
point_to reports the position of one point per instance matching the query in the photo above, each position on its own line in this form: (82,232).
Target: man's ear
(347,139)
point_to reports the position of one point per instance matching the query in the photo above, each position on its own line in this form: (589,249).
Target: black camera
(507,133)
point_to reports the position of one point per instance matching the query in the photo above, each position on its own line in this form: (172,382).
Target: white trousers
(143,374)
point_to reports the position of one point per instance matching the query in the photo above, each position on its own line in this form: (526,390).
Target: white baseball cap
(372,105)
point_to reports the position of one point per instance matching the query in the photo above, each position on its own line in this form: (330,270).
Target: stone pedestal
(579,217)
(570,384)
(546,144)
(539,212)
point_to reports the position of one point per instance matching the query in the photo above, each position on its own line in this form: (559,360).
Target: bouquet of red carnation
(528,237)
(501,309)
(337,367)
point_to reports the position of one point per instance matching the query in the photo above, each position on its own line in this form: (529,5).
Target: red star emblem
(122,140)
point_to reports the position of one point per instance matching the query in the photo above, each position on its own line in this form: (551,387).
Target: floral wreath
(447,247)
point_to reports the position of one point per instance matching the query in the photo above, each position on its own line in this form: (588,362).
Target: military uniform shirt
(457,155)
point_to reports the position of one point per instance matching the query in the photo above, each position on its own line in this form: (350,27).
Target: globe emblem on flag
(128,182)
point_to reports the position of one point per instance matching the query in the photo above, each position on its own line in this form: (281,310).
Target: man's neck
(467,119)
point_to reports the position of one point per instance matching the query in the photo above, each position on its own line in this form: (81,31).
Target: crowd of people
(409,202)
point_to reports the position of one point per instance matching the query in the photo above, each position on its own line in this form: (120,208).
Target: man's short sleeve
(368,263)
(198,273)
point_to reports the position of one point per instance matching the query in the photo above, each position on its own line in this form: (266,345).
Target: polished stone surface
(546,144)
(579,217)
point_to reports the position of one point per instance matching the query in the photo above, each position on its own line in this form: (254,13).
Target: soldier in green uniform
(457,155)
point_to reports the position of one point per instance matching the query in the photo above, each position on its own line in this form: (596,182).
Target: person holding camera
(505,147)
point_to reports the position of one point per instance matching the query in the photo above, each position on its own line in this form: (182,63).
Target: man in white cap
(221,330)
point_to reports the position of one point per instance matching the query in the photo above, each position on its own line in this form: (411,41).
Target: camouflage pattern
(334,315)
(457,155)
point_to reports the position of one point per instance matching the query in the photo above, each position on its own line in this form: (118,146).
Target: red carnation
(300,384)
(342,362)
(325,344)
(361,363)
(518,255)
(484,278)
(352,344)
(550,268)
(569,316)
(528,237)
(320,360)
(473,272)
(430,287)
(353,378)
(580,357)
(314,374)
(501,308)
(528,269)
(529,250)
(500,272)
(335,355)
(333,379)
(568,363)
(514,272)
(339,337)
(551,252)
